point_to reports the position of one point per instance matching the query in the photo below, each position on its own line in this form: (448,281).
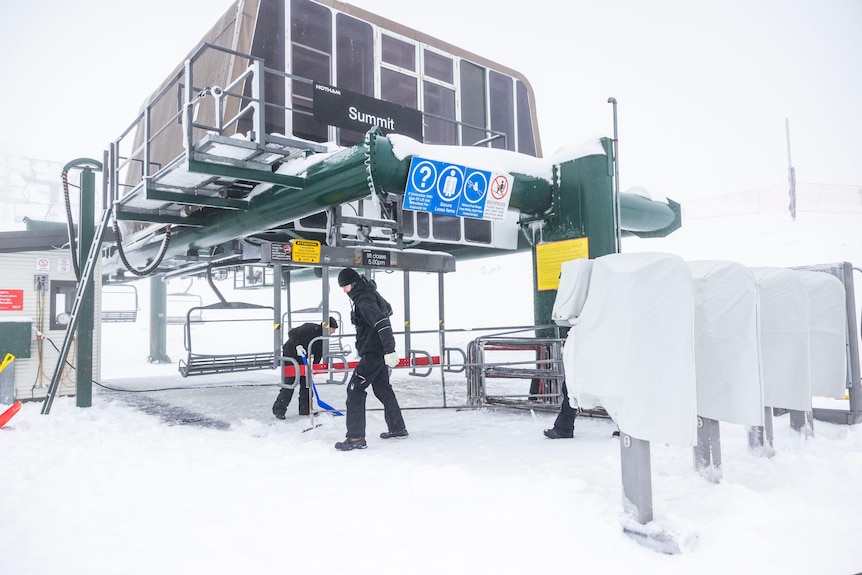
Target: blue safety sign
(454,190)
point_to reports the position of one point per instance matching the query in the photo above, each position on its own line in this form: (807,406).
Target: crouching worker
(375,344)
(298,339)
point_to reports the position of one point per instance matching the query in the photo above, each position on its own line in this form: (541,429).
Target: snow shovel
(320,402)
(6,361)
(9,413)
(13,409)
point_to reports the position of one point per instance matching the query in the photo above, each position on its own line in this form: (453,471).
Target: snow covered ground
(204,480)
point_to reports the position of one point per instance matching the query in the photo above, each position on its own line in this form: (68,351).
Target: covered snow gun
(15,407)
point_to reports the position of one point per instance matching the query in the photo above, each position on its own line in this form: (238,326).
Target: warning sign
(454,190)
(306,251)
(11,299)
(550,257)
(279,252)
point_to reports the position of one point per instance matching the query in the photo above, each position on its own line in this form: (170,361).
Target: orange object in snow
(9,413)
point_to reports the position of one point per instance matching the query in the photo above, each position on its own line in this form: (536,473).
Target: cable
(162,251)
(103,386)
(73,243)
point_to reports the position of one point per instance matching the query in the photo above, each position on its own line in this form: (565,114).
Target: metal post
(441,326)
(408,346)
(158,321)
(707,452)
(853,372)
(325,297)
(637,478)
(86,322)
(802,422)
(288,300)
(760,436)
(791,173)
(276,307)
(617,231)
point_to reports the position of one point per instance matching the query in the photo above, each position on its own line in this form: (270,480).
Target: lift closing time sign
(455,190)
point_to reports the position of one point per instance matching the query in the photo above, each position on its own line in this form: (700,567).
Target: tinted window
(439,101)
(472,103)
(354,64)
(478,231)
(423,225)
(398,53)
(502,110)
(407,227)
(446,227)
(398,88)
(526,143)
(439,67)
(311,25)
(355,55)
(311,47)
(315,66)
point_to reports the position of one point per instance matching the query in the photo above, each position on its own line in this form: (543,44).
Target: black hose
(73,244)
(147,270)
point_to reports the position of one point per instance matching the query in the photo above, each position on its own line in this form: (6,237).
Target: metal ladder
(84,282)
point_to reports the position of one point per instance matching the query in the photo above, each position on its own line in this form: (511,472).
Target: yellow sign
(550,257)
(306,251)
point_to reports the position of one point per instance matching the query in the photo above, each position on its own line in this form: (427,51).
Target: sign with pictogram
(455,190)
(278,252)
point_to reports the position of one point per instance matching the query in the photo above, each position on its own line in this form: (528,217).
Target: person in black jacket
(375,344)
(307,336)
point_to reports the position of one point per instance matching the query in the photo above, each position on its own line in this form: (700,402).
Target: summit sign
(338,107)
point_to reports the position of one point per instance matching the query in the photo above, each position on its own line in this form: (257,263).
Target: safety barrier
(544,368)
(290,371)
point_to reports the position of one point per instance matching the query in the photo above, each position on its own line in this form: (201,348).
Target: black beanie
(333,323)
(347,276)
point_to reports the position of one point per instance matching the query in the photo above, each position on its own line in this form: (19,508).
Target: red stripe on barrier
(420,361)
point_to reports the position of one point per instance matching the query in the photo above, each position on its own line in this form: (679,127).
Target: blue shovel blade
(320,402)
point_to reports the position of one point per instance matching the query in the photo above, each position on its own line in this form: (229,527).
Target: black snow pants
(566,418)
(279,408)
(371,371)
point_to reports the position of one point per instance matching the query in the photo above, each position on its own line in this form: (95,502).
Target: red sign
(11,299)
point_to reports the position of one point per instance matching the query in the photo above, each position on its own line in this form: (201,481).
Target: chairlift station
(304,136)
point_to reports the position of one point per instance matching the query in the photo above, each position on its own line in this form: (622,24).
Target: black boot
(350,443)
(390,434)
(279,408)
(555,433)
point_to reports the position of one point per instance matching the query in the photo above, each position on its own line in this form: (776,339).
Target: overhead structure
(272,129)
(312,127)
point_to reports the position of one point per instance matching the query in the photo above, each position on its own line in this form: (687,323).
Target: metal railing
(544,370)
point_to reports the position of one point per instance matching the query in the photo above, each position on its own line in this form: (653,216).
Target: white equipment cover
(784,349)
(725,343)
(632,352)
(827,316)
(572,293)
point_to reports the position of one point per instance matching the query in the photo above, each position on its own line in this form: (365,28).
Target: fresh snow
(203,479)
